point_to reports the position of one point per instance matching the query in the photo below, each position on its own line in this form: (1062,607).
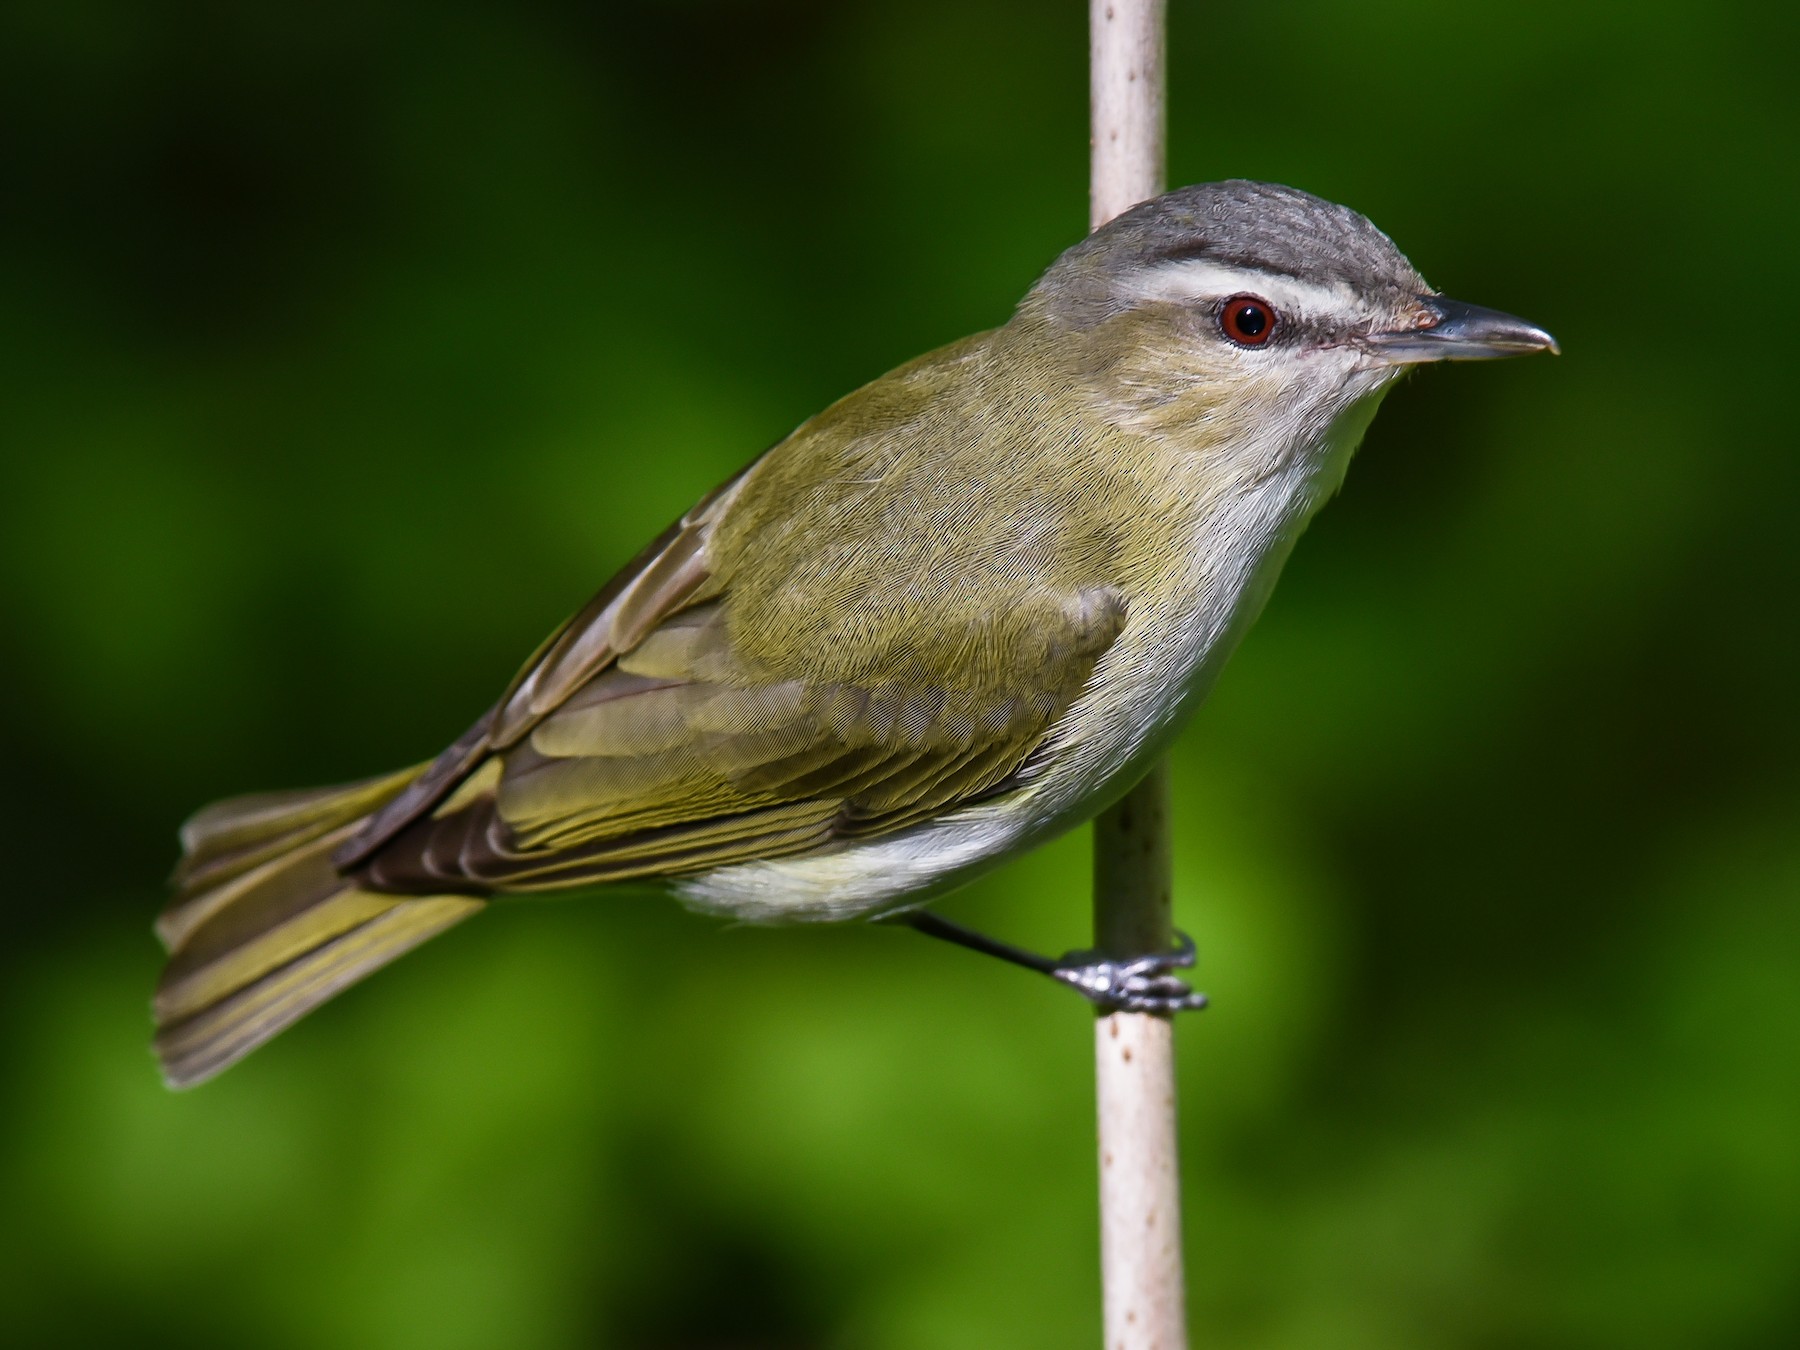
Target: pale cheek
(1291,408)
(1273,395)
(1252,407)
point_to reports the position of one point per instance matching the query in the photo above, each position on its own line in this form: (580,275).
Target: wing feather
(644,591)
(685,760)
(793,664)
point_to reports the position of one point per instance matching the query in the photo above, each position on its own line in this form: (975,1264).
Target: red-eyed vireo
(957,612)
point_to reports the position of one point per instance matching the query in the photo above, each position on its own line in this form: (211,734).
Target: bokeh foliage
(348,346)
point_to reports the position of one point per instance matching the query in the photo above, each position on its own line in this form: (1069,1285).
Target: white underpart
(1161,666)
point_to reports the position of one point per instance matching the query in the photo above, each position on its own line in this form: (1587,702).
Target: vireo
(957,612)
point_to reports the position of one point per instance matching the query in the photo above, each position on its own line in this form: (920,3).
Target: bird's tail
(263,929)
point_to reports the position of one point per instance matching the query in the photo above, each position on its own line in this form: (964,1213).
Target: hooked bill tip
(1460,332)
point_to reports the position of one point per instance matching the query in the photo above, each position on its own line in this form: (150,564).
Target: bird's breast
(1190,601)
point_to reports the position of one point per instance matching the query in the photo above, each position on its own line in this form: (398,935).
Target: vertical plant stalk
(1143,1294)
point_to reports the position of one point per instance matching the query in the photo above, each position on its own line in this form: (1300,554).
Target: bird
(959,611)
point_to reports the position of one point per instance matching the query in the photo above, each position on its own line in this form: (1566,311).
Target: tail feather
(264,929)
(197,1047)
(233,838)
(248,940)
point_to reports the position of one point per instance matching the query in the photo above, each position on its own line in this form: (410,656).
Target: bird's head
(1251,316)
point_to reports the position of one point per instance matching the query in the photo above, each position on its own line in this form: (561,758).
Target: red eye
(1247,321)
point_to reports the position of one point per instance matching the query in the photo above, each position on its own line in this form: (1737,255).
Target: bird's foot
(1139,984)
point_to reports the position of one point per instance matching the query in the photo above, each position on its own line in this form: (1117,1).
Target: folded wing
(676,758)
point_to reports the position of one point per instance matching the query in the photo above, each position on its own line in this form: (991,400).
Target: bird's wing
(675,759)
(664,577)
(671,573)
(843,640)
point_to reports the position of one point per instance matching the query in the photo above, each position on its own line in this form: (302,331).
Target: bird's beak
(1449,330)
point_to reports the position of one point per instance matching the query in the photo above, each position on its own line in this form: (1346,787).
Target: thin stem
(1144,1297)
(1128,96)
(1143,1294)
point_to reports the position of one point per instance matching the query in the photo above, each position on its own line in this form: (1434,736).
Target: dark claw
(1139,984)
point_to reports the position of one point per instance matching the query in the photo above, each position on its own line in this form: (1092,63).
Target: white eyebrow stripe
(1194,279)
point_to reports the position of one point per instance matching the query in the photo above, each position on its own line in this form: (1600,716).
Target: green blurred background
(347,347)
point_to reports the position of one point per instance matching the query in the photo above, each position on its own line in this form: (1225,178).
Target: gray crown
(1260,226)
